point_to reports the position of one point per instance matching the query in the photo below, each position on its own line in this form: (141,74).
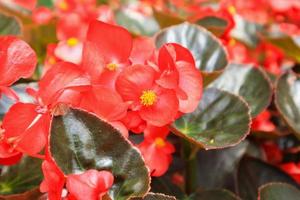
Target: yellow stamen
(232,10)
(159,142)
(148,98)
(112,66)
(51,60)
(63,5)
(232,42)
(72,42)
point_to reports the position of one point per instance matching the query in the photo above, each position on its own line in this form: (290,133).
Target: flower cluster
(126,82)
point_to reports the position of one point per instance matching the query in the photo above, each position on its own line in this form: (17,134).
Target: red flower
(178,72)
(105,55)
(54,180)
(156,151)
(292,169)
(17,60)
(156,105)
(42,15)
(26,128)
(91,185)
(273,152)
(262,122)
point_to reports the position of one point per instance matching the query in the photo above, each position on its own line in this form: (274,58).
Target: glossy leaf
(287,99)
(214,195)
(9,25)
(80,141)
(221,120)
(208,52)
(155,196)
(247,81)
(253,173)
(137,23)
(214,24)
(209,163)
(165,19)
(21,177)
(278,191)
(246,32)
(287,45)
(164,185)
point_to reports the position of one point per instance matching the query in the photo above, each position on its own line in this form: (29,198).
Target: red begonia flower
(28,4)
(134,122)
(273,152)
(69,51)
(91,185)
(62,82)
(156,105)
(292,169)
(143,49)
(262,122)
(42,15)
(156,151)
(103,51)
(8,155)
(51,58)
(17,60)
(54,180)
(26,127)
(178,72)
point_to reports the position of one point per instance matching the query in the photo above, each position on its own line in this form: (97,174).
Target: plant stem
(189,154)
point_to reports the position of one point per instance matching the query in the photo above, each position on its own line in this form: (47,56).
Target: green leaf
(209,163)
(208,52)
(219,194)
(80,141)
(287,45)
(165,19)
(278,191)
(253,173)
(155,196)
(246,32)
(9,25)
(287,99)
(214,24)
(136,23)
(164,185)
(47,3)
(21,177)
(221,120)
(247,81)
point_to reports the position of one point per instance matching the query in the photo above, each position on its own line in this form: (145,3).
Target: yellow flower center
(232,42)
(159,142)
(148,98)
(51,60)
(72,41)
(112,66)
(231,10)
(63,5)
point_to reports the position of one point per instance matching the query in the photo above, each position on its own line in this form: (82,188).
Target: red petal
(54,180)
(17,60)
(42,15)
(63,76)
(143,49)
(152,132)
(91,184)
(26,128)
(190,81)
(133,80)
(182,54)
(105,103)
(163,111)
(155,158)
(8,156)
(112,44)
